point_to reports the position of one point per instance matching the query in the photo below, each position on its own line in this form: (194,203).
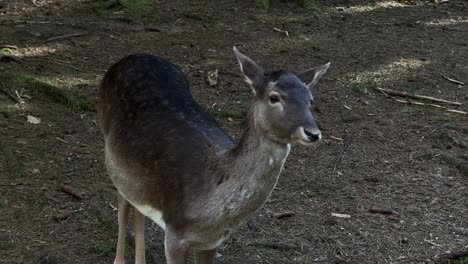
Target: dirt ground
(411,160)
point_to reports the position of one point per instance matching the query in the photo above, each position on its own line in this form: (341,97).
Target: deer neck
(251,171)
(256,149)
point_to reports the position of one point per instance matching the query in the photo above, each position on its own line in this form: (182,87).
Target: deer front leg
(139,221)
(205,256)
(176,249)
(123,207)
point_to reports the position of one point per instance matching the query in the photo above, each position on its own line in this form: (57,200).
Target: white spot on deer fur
(118,174)
(152,213)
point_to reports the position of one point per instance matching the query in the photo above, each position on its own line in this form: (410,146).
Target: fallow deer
(171,161)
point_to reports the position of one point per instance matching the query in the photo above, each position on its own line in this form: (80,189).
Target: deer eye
(274,99)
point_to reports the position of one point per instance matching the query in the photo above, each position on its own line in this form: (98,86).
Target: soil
(377,152)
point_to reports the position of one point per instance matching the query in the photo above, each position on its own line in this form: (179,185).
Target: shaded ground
(377,152)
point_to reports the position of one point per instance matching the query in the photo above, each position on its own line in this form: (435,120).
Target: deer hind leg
(123,207)
(205,256)
(176,249)
(139,221)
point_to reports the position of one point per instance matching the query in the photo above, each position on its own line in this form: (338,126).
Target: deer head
(283,101)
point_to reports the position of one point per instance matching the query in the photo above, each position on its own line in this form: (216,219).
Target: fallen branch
(452,80)
(433,105)
(66,36)
(414,96)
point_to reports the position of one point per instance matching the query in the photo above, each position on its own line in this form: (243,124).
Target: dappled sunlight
(386,73)
(447,21)
(69,82)
(39,51)
(369,8)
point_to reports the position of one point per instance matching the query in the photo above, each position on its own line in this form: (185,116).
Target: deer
(172,162)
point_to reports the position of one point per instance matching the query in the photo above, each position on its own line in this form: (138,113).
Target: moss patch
(56,95)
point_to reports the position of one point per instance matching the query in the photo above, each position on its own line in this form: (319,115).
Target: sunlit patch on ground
(39,51)
(369,8)
(386,73)
(448,21)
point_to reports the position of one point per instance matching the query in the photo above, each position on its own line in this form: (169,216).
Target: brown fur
(165,153)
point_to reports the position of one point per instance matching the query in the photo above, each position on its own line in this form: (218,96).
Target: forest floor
(377,152)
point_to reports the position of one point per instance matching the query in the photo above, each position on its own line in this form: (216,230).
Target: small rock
(33,120)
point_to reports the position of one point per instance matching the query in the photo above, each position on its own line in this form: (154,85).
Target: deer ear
(311,76)
(252,72)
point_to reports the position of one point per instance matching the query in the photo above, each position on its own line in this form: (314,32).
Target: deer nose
(313,136)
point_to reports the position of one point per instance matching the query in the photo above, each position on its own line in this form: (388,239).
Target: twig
(453,80)
(113,207)
(336,138)
(384,211)
(282,215)
(8,47)
(282,31)
(432,242)
(433,105)
(34,3)
(65,36)
(414,96)
(62,140)
(152,29)
(338,159)
(20,100)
